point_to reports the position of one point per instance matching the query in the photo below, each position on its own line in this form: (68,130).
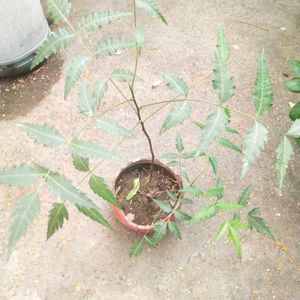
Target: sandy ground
(87,261)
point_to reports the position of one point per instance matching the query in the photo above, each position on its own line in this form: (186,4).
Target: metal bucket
(23,28)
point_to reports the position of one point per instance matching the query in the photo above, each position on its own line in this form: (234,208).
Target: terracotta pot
(120,215)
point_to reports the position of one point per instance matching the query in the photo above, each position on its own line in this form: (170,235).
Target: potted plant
(148,196)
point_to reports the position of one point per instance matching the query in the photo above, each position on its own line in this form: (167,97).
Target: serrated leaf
(231,130)
(173,164)
(170,156)
(177,84)
(88,149)
(55,42)
(152,8)
(223,228)
(226,143)
(293,85)
(207,212)
(295,66)
(213,163)
(176,116)
(81,163)
(43,134)
(22,175)
(192,190)
(284,153)
(222,83)
(136,249)
(263,95)
(179,143)
(163,205)
(59,10)
(244,197)
(172,226)
(99,187)
(214,192)
(100,89)
(257,222)
(189,155)
(294,131)
(97,19)
(124,75)
(160,230)
(57,215)
(112,46)
(87,102)
(238,224)
(135,189)
(76,68)
(295,112)
(113,127)
(25,212)
(94,214)
(233,236)
(139,38)
(222,46)
(254,143)
(172,196)
(186,201)
(182,215)
(224,205)
(214,125)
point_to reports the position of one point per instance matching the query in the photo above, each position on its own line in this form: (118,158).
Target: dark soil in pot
(141,209)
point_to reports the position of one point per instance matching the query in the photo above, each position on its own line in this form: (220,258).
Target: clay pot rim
(119,213)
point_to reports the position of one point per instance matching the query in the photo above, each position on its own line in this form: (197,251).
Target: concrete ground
(87,261)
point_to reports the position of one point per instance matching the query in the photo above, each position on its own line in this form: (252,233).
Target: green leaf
(174,229)
(220,184)
(189,155)
(229,144)
(186,201)
(55,42)
(170,156)
(263,95)
(100,89)
(87,102)
(214,163)
(160,230)
(214,192)
(163,205)
(136,249)
(215,124)
(25,212)
(76,68)
(173,164)
(233,236)
(172,196)
(59,10)
(284,153)
(134,190)
(63,189)
(258,223)
(88,149)
(295,112)
(94,214)
(192,190)
(237,224)
(124,75)
(80,163)
(254,143)
(222,83)
(111,46)
(231,130)
(43,134)
(176,116)
(179,143)
(222,46)
(294,131)
(244,197)
(22,175)
(139,38)
(207,212)
(182,215)
(97,19)
(177,84)
(223,228)
(113,127)
(295,66)
(224,205)
(152,8)
(56,218)
(99,187)
(293,85)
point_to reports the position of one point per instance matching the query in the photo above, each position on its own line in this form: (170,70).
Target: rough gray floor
(87,261)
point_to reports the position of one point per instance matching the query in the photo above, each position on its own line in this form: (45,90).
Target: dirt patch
(20,95)
(141,209)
